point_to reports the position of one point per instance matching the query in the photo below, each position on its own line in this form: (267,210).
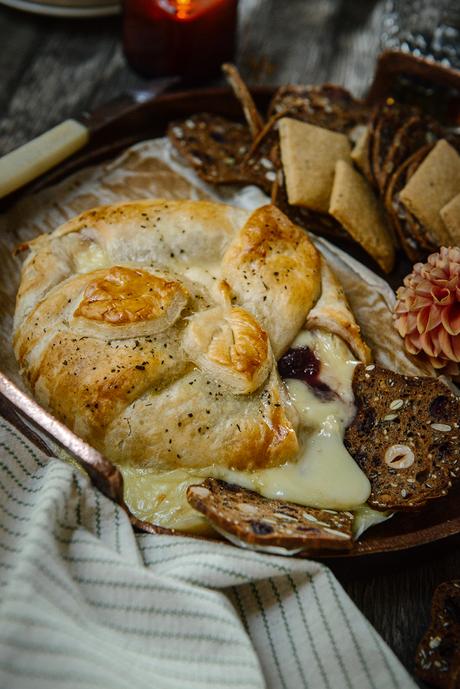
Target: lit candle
(190,38)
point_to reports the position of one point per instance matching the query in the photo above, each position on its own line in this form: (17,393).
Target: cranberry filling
(302,364)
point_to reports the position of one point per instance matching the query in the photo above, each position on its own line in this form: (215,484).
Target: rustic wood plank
(60,79)
(115,78)
(331,40)
(357,42)
(267,26)
(19,43)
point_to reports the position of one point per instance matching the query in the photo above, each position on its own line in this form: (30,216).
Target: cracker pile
(412,161)
(386,179)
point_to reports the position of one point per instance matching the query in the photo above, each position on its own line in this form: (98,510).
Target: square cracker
(309,155)
(450,214)
(435,182)
(355,206)
(360,153)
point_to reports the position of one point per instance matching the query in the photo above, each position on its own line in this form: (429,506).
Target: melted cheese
(365,517)
(93,258)
(325,475)
(160,498)
(337,362)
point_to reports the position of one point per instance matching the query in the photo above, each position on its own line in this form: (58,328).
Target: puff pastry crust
(152,329)
(333,313)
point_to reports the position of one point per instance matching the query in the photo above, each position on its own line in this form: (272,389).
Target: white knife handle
(41,154)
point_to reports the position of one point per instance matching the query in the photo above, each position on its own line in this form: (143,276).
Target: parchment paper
(152,169)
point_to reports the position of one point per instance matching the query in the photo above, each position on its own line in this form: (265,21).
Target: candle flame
(184,8)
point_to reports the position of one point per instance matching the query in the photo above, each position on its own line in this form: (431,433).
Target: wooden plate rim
(108,149)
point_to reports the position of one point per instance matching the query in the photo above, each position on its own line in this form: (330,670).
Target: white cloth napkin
(85,602)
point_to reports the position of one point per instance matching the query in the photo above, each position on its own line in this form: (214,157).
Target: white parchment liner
(152,169)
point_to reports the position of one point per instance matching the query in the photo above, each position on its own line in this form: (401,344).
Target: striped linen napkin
(84,602)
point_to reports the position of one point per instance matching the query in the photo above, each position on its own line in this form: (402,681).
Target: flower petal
(437,363)
(446,344)
(451,319)
(456,347)
(423,287)
(419,301)
(411,345)
(430,345)
(401,326)
(422,319)
(435,317)
(441,295)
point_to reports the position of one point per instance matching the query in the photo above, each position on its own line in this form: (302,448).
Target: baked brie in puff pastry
(189,339)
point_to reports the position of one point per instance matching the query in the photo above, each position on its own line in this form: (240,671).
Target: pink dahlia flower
(427,311)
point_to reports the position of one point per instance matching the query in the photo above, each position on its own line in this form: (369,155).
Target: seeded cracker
(217,149)
(328,106)
(355,206)
(212,145)
(432,186)
(258,521)
(437,660)
(417,131)
(405,437)
(388,120)
(252,115)
(309,155)
(451,218)
(425,238)
(401,219)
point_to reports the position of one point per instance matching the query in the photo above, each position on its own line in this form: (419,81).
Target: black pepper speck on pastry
(163,318)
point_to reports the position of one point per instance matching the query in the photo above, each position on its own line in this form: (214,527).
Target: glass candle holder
(424,28)
(189,38)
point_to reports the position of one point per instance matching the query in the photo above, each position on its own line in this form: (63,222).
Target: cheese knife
(26,163)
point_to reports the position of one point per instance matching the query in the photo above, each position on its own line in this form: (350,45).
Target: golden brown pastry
(273,270)
(229,344)
(333,314)
(152,329)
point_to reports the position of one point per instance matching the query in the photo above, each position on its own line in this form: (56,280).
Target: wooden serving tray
(394,73)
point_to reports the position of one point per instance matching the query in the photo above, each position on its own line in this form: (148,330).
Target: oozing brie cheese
(93,258)
(160,497)
(365,517)
(324,475)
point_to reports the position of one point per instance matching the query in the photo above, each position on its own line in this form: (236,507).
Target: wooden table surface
(51,69)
